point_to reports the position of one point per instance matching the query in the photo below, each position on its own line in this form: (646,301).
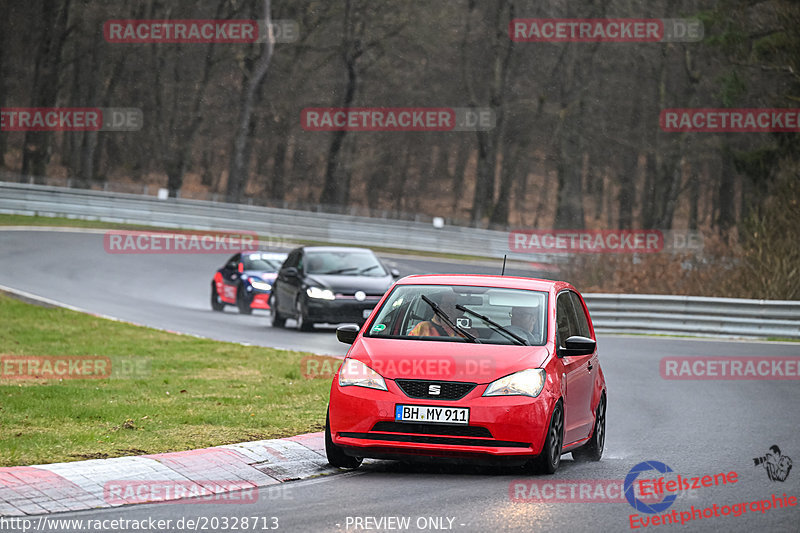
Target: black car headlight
(320,294)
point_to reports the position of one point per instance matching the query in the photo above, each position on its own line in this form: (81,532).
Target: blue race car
(246,281)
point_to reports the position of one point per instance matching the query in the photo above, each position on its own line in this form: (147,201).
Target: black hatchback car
(328,284)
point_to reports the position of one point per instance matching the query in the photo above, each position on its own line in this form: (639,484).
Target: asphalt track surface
(167,291)
(695,427)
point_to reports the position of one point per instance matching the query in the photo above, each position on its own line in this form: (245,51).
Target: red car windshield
(488,315)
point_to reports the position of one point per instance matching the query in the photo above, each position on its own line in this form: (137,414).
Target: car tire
(216,303)
(548,461)
(303,324)
(336,456)
(241,302)
(277,319)
(593,450)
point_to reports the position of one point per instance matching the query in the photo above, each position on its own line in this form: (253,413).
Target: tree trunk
(276,183)
(463,151)
(726,216)
(502,208)
(84,169)
(337,183)
(484,178)
(569,212)
(501,52)
(694,197)
(242,143)
(648,193)
(36,149)
(3,143)
(627,187)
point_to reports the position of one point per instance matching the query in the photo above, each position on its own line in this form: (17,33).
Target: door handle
(589,367)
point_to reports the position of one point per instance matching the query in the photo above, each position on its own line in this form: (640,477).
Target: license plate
(431,413)
(366,312)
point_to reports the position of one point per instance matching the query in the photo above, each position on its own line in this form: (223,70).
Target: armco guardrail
(288,224)
(694,315)
(673,315)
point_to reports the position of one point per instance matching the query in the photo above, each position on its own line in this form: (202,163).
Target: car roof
(334,249)
(509,282)
(269,255)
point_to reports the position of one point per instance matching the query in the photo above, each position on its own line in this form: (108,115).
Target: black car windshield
(261,262)
(344,263)
(515,316)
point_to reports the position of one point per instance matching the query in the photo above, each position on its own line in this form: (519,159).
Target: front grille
(448,390)
(432,429)
(369,297)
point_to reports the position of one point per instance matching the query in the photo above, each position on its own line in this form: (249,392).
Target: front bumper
(260,300)
(508,429)
(339,310)
(257,298)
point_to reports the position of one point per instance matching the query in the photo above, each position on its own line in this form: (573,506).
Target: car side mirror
(577,345)
(290,272)
(395,273)
(347,334)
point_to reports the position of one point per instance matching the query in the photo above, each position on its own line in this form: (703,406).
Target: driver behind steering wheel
(525,323)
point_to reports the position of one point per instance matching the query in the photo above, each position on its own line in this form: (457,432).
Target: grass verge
(181,393)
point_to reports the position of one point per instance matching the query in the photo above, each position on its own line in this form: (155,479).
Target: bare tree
(242,139)
(495,68)
(54,30)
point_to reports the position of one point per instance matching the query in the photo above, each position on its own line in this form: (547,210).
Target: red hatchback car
(468,367)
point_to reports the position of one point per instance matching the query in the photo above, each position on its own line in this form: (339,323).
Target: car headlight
(320,294)
(525,383)
(356,373)
(260,285)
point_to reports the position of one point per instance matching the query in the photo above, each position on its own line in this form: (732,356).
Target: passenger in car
(436,327)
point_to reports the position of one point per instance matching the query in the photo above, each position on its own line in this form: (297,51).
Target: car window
(233,262)
(260,262)
(565,318)
(582,323)
(292,260)
(344,263)
(405,314)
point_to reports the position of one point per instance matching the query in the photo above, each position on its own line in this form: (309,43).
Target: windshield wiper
(340,271)
(441,314)
(501,329)
(367,269)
